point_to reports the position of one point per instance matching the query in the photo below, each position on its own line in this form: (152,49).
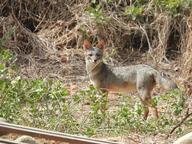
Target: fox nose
(95,60)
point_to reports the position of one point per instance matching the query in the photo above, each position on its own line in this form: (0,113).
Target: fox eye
(98,55)
(90,54)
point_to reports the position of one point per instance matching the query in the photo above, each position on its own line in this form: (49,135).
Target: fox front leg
(104,94)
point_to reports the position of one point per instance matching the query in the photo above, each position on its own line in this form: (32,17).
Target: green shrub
(173,6)
(133,11)
(96,13)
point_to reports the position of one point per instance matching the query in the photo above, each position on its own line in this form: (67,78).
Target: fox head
(93,54)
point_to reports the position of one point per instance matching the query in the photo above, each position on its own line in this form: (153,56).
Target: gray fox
(141,78)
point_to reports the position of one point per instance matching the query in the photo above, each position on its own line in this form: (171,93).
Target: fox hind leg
(156,112)
(145,85)
(145,96)
(145,99)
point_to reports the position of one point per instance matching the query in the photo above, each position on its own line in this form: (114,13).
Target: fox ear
(86,44)
(101,44)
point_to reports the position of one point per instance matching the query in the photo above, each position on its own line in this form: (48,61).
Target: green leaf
(2,67)
(154,101)
(89,131)
(133,11)
(138,108)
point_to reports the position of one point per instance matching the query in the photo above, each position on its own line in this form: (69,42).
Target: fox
(141,78)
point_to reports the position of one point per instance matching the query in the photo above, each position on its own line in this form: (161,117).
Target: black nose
(95,60)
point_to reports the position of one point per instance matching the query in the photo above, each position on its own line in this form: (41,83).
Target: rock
(186,139)
(26,139)
(3,119)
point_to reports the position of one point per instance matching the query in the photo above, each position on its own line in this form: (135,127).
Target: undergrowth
(46,104)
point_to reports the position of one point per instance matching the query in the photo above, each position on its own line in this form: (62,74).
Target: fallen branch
(187,115)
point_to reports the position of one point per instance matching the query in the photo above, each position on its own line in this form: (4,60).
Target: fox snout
(95,59)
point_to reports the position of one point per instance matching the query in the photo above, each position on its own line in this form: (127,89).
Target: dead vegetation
(53,31)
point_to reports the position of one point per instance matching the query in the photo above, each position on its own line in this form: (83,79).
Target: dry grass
(53,31)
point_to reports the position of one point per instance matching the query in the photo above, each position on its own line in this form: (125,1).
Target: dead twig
(187,115)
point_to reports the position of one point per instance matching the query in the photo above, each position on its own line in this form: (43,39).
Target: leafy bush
(173,6)
(96,13)
(37,102)
(133,11)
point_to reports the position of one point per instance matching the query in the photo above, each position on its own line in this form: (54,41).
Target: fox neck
(94,67)
(97,73)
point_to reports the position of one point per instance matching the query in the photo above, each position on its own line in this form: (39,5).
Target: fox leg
(145,85)
(145,98)
(154,108)
(156,112)
(147,102)
(105,101)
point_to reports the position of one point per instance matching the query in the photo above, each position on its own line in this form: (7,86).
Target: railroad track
(48,135)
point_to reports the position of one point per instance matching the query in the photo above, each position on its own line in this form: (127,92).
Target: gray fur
(141,78)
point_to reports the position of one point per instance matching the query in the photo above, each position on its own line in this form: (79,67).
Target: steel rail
(50,135)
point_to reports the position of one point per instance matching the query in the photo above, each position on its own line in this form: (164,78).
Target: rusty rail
(49,135)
